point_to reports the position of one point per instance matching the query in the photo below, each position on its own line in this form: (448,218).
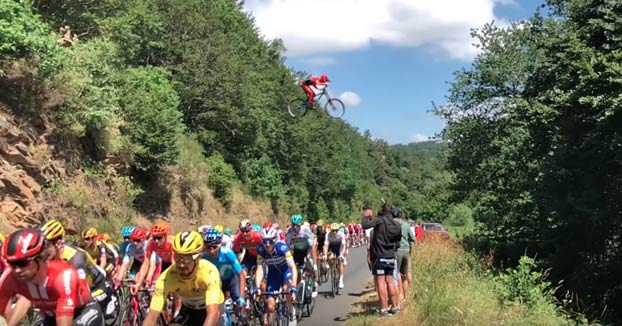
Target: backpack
(393,229)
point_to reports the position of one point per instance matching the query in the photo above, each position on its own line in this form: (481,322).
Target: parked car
(434,230)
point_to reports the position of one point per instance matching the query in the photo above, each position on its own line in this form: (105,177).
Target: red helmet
(138,234)
(23,244)
(324,78)
(267,225)
(159,228)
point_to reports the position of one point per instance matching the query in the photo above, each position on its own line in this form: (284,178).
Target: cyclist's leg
(310,94)
(190,317)
(89,315)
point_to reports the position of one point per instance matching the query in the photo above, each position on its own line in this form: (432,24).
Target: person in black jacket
(382,257)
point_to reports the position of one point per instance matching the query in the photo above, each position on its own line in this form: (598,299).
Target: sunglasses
(185,259)
(89,239)
(158,238)
(137,241)
(245,230)
(20,263)
(212,246)
(268,242)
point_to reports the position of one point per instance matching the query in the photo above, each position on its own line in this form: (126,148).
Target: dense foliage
(536,145)
(147,79)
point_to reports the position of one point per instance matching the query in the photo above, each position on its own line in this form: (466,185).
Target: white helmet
(268,233)
(203,228)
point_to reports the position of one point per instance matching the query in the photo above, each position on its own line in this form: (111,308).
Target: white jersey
(227,241)
(334,239)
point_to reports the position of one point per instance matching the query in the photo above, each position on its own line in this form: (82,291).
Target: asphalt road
(333,311)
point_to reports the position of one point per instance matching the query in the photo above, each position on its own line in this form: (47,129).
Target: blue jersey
(226,262)
(123,248)
(278,259)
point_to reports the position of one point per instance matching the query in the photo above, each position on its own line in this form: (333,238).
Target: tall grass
(452,287)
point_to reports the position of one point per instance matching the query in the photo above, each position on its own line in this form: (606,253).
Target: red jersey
(249,244)
(165,251)
(60,293)
(316,81)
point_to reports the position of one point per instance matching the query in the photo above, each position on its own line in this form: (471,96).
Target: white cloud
(320,26)
(417,138)
(322,61)
(350,99)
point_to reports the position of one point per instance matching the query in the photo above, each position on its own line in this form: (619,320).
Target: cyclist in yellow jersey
(195,281)
(98,250)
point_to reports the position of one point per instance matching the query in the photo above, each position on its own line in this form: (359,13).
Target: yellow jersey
(197,291)
(85,264)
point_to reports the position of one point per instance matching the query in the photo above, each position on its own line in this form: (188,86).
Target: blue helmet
(212,236)
(256,227)
(228,231)
(126,231)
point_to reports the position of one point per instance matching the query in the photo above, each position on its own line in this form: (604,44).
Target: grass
(452,287)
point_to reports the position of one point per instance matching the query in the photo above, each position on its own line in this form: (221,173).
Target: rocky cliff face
(25,167)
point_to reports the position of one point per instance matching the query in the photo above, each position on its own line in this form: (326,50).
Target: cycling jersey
(60,294)
(226,262)
(250,245)
(229,269)
(276,266)
(123,247)
(321,238)
(136,255)
(87,268)
(334,242)
(227,241)
(165,251)
(98,250)
(301,242)
(197,291)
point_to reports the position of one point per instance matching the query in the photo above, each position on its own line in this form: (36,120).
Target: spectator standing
(382,257)
(403,252)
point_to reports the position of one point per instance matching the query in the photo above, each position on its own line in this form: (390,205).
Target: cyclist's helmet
(228,231)
(2,238)
(324,78)
(334,227)
(126,231)
(313,227)
(188,243)
(138,234)
(256,227)
(52,229)
(219,228)
(213,236)
(306,225)
(245,224)
(268,233)
(296,219)
(160,228)
(24,244)
(89,233)
(267,224)
(204,228)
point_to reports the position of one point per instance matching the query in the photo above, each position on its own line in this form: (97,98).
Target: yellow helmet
(219,228)
(342,225)
(89,233)
(52,229)
(2,238)
(188,243)
(105,237)
(334,226)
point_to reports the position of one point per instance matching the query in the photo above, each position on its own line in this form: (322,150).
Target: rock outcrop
(25,168)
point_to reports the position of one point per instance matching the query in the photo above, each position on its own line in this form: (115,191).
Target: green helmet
(228,231)
(296,219)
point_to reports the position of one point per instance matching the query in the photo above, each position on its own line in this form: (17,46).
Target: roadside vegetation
(455,287)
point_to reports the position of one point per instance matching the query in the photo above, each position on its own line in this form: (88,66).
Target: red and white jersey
(59,294)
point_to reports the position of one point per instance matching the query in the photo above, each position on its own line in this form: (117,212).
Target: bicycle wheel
(334,108)
(300,300)
(333,281)
(297,107)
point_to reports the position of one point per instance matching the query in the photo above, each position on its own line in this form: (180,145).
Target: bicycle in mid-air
(334,107)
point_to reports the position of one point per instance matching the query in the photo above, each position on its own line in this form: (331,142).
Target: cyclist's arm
(103,259)
(19,311)
(344,248)
(155,261)
(258,271)
(66,285)
(140,277)
(157,304)
(237,269)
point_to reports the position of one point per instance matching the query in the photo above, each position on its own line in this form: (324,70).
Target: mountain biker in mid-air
(318,83)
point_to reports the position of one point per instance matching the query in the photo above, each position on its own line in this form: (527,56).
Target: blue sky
(391,58)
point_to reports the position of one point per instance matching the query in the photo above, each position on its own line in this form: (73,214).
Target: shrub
(222,178)
(263,178)
(152,120)
(24,35)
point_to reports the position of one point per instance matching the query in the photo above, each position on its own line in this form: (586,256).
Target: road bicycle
(334,107)
(305,302)
(280,317)
(134,307)
(254,309)
(333,273)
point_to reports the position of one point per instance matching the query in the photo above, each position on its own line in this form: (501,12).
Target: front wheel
(297,107)
(335,108)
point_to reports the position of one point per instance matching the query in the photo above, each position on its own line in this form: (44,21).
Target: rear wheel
(335,108)
(297,107)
